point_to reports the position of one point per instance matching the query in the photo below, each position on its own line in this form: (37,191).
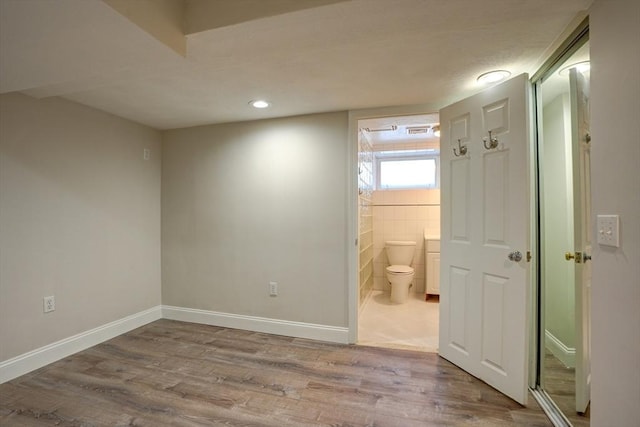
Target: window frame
(405,155)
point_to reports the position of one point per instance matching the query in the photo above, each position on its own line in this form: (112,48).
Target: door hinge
(356,242)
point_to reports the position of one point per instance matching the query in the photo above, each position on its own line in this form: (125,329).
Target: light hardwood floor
(560,385)
(184,374)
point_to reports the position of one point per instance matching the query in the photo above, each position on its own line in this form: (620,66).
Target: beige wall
(403,215)
(615,167)
(248,203)
(79,219)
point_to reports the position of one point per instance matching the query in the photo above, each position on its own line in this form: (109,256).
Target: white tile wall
(403,215)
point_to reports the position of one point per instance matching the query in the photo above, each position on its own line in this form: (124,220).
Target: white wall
(248,203)
(79,219)
(557,208)
(615,168)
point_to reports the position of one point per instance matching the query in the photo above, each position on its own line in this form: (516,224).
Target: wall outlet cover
(608,230)
(273,289)
(49,304)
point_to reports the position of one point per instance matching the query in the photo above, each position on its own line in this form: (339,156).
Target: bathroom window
(397,170)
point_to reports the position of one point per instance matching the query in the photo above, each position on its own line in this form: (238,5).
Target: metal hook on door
(462,149)
(493,142)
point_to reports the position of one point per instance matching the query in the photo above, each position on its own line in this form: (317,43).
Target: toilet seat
(400,269)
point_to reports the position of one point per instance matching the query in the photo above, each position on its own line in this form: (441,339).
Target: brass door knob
(578,257)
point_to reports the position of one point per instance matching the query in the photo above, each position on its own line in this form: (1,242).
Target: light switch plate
(608,230)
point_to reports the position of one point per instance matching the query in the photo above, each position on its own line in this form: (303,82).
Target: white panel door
(579,93)
(484,306)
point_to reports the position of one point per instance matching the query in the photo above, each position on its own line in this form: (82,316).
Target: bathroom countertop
(428,236)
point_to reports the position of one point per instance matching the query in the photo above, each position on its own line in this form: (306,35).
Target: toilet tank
(400,252)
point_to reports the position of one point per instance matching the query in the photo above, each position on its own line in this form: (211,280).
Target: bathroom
(399,201)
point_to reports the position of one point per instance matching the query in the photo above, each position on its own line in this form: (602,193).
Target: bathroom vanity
(432,264)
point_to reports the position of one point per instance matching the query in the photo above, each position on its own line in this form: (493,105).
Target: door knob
(578,257)
(515,256)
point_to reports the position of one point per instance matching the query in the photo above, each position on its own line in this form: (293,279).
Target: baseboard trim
(567,355)
(258,324)
(40,357)
(36,359)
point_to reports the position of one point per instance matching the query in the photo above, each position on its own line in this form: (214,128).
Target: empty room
(319,212)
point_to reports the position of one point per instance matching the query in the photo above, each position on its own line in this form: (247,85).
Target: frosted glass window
(407,173)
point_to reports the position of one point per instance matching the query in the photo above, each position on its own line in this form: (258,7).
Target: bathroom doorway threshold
(409,326)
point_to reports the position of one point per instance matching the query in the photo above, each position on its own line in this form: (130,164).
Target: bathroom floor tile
(412,325)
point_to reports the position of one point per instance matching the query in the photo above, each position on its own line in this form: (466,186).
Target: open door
(579,94)
(484,300)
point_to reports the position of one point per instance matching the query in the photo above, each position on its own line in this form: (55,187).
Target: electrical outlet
(273,289)
(146,154)
(49,304)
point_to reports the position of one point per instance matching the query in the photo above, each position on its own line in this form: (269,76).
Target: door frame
(353,294)
(569,45)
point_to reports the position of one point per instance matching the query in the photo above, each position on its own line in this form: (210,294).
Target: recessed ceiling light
(493,76)
(580,66)
(260,103)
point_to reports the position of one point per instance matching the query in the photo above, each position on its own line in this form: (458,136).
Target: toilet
(400,273)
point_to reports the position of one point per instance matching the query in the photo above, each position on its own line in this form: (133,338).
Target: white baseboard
(258,324)
(567,355)
(35,359)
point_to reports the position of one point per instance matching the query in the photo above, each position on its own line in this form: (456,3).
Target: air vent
(387,129)
(417,130)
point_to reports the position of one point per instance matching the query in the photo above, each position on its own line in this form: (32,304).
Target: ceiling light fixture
(391,128)
(579,66)
(260,103)
(493,76)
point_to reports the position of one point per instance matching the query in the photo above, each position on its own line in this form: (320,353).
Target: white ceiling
(333,55)
(558,82)
(395,129)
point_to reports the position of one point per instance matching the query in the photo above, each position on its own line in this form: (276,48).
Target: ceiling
(557,82)
(417,128)
(180,63)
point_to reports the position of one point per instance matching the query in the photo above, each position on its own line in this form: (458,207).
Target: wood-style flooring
(171,373)
(560,385)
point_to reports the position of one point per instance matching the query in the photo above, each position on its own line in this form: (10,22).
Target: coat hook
(462,150)
(493,142)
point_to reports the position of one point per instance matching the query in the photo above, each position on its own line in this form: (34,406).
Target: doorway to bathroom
(398,201)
